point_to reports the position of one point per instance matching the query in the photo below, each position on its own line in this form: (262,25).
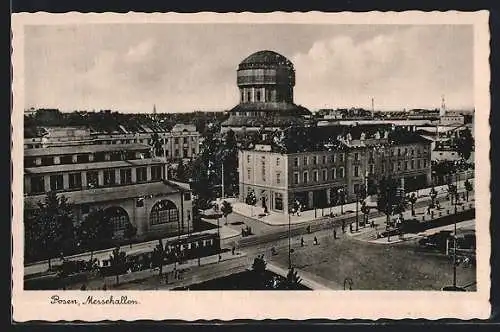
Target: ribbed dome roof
(268,58)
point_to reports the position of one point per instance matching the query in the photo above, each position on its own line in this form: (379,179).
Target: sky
(187,67)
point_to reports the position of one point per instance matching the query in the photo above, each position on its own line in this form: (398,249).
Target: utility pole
(222,194)
(455,255)
(357,217)
(289,242)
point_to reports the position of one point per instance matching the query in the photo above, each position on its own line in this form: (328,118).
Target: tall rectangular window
(47,161)
(278,161)
(125,176)
(325,175)
(306,177)
(56,182)
(278,177)
(315,160)
(156,172)
(334,173)
(356,171)
(356,156)
(333,158)
(82,158)
(315,176)
(342,157)
(324,160)
(75,180)
(141,174)
(295,162)
(371,169)
(305,161)
(406,165)
(109,177)
(295,178)
(340,172)
(412,164)
(419,164)
(92,179)
(37,184)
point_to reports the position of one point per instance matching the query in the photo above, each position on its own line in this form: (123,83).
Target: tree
(387,197)
(95,231)
(468,188)
(366,211)
(180,172)
(158,258)
(51,227)
(156,144)
(251,199)
(259,271)
(465,144)
(130,232)
(226,209)
(118,263)
(412,199)
(293,280)
(341,196)
(433,195)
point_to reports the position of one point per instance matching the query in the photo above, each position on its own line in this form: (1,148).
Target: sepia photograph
(201,156)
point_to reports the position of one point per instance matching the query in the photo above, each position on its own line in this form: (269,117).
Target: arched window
(118,217)
(164,212)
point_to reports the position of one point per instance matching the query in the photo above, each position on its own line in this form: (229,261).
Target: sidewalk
(368,234)
(280,219)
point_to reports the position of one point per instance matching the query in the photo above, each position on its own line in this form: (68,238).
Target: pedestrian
(429,209)
(301,241)
(220,258)
(350,227)
(343,226)
(232,250)
(334,233)
(315,240)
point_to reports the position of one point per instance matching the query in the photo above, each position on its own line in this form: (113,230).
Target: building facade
(124,180)
(314,178)
(181,142)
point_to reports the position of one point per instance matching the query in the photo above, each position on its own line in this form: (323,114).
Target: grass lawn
(377,266)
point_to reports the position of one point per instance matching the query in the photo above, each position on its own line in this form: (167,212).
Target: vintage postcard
(228,166)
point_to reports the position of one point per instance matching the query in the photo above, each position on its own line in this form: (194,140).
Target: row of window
(338,173)
(335,173)
(56,181)
(85,158)
(315,160)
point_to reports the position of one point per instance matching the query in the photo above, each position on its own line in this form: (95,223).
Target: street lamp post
(357,215)
(290,239)
(455,255)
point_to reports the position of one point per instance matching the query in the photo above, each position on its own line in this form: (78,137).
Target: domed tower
(266,77)
(265,80)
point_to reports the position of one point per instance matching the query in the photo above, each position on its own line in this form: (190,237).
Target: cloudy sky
(186,67)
